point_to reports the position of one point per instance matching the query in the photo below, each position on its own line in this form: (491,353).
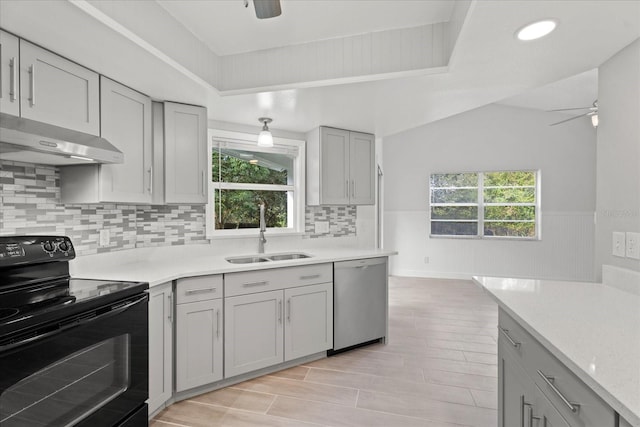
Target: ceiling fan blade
(569,109)
(571,118)
(267,8)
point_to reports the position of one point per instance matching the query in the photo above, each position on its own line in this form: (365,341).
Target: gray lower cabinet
(160,345)
(199,338)
(536,390)
(253,332)
(278,315)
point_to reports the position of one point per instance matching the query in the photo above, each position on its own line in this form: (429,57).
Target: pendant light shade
(265,139)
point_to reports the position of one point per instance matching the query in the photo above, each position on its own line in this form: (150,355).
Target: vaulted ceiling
(380,66)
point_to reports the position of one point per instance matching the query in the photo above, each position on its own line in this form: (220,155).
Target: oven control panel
(16,250)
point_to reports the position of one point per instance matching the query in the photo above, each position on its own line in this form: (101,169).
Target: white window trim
(481,204)
(298,207)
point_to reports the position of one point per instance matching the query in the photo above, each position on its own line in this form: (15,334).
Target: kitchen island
(576,343)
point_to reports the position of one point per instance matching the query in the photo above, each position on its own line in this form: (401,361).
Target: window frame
(248,141)
(480,220)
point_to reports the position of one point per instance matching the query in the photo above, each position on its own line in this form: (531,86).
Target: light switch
(619,244)
(633,245)
(321,227)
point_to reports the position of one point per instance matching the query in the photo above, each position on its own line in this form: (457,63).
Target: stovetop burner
(35,285)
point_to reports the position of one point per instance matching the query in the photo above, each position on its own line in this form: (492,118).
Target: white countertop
(594,329)
(160,265)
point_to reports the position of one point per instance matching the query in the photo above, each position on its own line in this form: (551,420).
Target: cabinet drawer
(201,288)
(561,385)
(517,341)
(593,411)
(280,278)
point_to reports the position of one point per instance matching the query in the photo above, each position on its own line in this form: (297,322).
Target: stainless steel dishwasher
(359,302)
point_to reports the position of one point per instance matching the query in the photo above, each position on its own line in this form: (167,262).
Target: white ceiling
(227,27)
(488,64)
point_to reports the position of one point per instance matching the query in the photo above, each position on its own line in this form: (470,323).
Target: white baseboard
(431,274)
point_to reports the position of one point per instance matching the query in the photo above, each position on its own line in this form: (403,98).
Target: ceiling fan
(265,8)
(593,113)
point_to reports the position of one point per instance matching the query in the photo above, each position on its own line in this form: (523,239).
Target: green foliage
(241,208)
(454,212)
(510,229)
(441,180)
(510,213)
(463,195)
(502,179)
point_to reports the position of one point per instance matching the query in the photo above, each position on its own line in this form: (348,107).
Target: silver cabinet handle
(574,407)
(353,188)
(532,417)
(170,298)
(13,79)
(150,180)
(218,323)
(204,182)
(289,310)
(346,188)
(200,291)
(32,83)
(505,332)
(311,276)
(251,284)
(280,311)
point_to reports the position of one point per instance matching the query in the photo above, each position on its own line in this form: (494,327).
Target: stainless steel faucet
(263,228)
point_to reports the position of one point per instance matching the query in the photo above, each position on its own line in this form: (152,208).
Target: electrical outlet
(104,238)
(619,244)
(321,227)
(633,245)
(426,260)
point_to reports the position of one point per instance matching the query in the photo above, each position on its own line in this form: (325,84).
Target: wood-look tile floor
(438,369)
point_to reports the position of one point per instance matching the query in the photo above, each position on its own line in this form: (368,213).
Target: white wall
(618,154)
(494,137)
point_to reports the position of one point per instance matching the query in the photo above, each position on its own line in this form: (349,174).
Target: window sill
(252,233)
(513,239)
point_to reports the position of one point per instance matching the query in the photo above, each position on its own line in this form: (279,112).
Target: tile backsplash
(30,204)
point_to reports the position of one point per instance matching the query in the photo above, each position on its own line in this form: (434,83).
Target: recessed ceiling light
(536,30)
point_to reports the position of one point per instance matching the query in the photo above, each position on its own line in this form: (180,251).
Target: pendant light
(265,139)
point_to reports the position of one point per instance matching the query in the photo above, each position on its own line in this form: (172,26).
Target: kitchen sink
(247,259)
(282,257)
(265,258)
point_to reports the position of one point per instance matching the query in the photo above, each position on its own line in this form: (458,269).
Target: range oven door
(89,370)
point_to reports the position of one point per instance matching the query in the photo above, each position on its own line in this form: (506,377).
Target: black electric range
(75,350)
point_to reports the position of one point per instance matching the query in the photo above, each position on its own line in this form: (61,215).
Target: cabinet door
(160,345)
(308,320)
(185,145)
(9,66)
(126,123)
(512,390)
(543,414)
(57,91)
(361,168)
(334,166)
(198,343)
(253,332)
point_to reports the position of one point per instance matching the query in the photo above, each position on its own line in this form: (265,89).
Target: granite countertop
(165,264)
(594,329)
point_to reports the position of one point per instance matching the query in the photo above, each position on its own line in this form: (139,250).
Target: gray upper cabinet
(126,123)
(57,91)
(9,81)
(185,154)
(340,167)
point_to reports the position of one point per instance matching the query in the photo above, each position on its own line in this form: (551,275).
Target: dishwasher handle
(360,263)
